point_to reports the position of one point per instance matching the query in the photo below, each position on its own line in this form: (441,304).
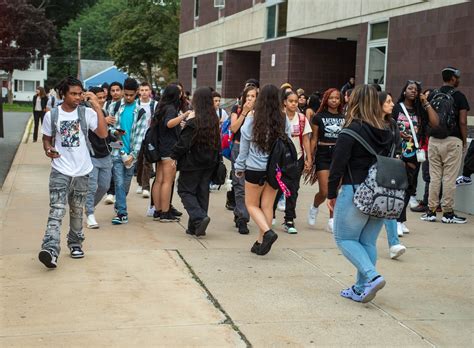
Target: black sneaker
(230,205)
(268,239)
(157,215)
(420,208)
(236,218)
(451,218)
(201,226)
(242,226)
(77,253)
(48,259)
(168,217)
(120,219)
(429,216)
(175,211)
(190,231)
(255,247)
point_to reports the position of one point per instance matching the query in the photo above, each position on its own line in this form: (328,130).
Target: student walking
(65,141)
(260,131)
(196,155)
(326,125)
(40,101)
(356,233)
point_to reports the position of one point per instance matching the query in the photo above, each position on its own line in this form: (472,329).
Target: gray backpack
(382,194)
(81,111)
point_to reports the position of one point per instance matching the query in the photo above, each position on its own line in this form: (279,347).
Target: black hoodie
(348,151)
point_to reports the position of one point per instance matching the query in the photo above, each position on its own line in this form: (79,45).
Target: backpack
(382,194)
(151,145)
(81,111)
(445,107)
(227,138)
(282,160)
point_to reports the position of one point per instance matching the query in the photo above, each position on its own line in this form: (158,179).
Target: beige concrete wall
(305,17)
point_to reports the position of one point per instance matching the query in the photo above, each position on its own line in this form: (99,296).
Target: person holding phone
(66,142)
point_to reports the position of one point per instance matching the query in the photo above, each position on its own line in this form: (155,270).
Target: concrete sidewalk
(149,284)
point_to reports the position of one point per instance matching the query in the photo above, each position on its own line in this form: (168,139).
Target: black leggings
(37,115)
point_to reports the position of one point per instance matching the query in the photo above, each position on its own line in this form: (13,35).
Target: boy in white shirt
(65,141)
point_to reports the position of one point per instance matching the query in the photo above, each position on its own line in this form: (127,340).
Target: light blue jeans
(392,234)
(122,178)
(356,236)
(99,182)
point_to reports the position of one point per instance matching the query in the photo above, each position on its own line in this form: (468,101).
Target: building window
(196,9)
(220,64)
(38,64)
(277,12)
(376,57)
(194,77)
(26,85)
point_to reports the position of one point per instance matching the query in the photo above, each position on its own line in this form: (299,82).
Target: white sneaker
(139,190)
(281,206)
(413,202)
(109,199)
(150,211)
(330,226)
(228,185)
(405,228)
(399,229)
(213,187)
(91,222)
(146,194)
(396,251)
(312,215)
(274,221)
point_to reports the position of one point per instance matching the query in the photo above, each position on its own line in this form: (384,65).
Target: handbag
(420,153)
(382,194)
(220,172)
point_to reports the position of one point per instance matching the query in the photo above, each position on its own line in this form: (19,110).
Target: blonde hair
(364,106)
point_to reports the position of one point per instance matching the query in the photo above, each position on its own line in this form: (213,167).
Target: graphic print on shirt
(408,146)
(332,127)
(69,131)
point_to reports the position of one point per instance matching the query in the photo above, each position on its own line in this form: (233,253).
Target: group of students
(276,139)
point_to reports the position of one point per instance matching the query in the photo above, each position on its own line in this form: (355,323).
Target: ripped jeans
(64,189)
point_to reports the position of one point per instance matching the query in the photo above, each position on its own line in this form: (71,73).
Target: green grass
(15,107)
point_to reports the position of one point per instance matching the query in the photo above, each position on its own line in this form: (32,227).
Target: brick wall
(206,70)
(186,21)
(207,12)
(421,44)
(235,6)
(185,66)
(361,53)
(279,73)
(238,67)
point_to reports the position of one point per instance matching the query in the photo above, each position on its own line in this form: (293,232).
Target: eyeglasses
(456,72)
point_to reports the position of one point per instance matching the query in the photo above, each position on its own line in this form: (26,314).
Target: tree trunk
(10,87)
(148,73)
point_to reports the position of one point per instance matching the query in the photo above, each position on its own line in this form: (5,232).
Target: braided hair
(64,84)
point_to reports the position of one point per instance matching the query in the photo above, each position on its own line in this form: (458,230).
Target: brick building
(316,44)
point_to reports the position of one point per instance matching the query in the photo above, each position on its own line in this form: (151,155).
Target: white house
(25,81)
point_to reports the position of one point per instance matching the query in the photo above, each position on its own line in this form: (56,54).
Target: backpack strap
(364,143)
(220,113)
(81,111)
(54,124)
(152,108)
(117,106)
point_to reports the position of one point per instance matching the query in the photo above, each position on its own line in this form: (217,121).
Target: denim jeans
(99,182)
(356,236)
(122,179)
(64,189)
(392,234)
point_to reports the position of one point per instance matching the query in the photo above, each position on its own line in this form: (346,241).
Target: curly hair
(269,120)
(417,106)
(206,135)
(324,103)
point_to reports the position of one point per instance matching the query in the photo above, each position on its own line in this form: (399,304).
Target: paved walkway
(149,284)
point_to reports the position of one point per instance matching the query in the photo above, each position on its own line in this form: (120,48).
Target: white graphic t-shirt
(296,131)
(70,142)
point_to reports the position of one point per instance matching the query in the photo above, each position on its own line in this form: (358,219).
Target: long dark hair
(206,135)
(170,98)
(417,106)
(269,121)
(246,91)
(314,102)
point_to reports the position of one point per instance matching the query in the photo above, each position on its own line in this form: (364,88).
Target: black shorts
(256,177)
(323,157)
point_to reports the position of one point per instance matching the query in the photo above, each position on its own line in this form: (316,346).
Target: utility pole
(79,77)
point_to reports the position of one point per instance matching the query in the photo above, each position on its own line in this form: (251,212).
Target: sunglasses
(415,82)
(456,72)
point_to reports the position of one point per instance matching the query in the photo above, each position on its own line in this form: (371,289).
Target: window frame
(219,63)
(277,15)
(373,44)
(194,78)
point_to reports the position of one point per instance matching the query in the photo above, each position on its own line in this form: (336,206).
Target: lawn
(15,107)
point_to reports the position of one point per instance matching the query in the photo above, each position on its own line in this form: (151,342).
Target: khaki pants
(445,157)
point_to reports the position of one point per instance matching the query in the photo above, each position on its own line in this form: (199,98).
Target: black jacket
(44,102)
(189,156)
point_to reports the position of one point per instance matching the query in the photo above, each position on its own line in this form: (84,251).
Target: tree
(25,35)
(145,38)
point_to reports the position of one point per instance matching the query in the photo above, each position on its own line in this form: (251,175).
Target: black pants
(412,175)
(193,188)
(293,186)
(468,168)
(37,115)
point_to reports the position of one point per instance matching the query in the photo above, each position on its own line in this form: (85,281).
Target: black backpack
(151,144)
(283,155)
(445,107)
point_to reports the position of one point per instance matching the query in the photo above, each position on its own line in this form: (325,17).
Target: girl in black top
(326,126)
(167,123)
(40,100)
(196,155)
